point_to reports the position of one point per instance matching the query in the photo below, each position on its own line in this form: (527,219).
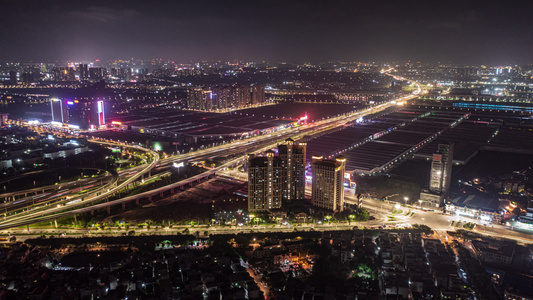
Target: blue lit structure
(516,108)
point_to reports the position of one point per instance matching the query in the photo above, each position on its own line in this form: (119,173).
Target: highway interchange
(32,212)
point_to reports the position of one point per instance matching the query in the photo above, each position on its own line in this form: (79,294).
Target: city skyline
(475,32)
(266,149)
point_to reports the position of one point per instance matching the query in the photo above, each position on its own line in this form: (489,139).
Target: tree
(424,228)
(242,241)
(362,215)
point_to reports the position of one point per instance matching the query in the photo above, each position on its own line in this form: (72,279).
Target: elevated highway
(257,144)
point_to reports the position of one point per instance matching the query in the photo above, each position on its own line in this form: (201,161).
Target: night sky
(471,32)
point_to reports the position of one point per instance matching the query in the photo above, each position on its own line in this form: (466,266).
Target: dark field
(293,110)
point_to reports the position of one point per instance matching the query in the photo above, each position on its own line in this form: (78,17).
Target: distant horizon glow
(472,32)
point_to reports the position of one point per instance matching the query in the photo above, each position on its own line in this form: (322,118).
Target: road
(45,213)
(249,145)
(437,221)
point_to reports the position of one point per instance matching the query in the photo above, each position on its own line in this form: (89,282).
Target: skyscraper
(275,180)
(258,94)
(292,155)
(12,77)
(84,114)
(441,169)
(328,183)
(264,182)
(226,96)
(84,71)
(27,78)
(59,110)
(96,73)
(440,176)
(199,99)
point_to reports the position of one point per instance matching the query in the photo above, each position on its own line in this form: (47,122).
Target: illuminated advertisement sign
(100,111)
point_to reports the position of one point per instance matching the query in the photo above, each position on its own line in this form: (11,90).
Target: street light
(350,218)
(328,218)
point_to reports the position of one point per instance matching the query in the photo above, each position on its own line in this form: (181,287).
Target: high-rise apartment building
(292,155)
(63,74)
(242,95)
(440,177)
(199,99)
(222,97)
(264,182)
(83,71)
(13,77)
(97,73)
(328,183)
(257,94)
(275,180)
(27,78)
(441,169)
(226,96)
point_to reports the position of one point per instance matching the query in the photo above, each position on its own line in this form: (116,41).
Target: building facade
(292,155)
(441,169)
(199,99)
(328,183)
(222,97)
(258,94)
(59,111)
(275,180)
(81,114)
(264,182)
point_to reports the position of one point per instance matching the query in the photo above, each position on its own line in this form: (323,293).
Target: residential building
(441,169)
(199,99)
(257,94)
(440,176)
(222,97)
(328,183)
(274,180)
(264,182)
(292,155)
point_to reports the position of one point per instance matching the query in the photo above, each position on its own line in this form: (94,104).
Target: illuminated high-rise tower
(59,110)
(328,183)
(441,169)
(292,155)
(83,71)
(199,98)
(264,182)
(276,180)
(83,114)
